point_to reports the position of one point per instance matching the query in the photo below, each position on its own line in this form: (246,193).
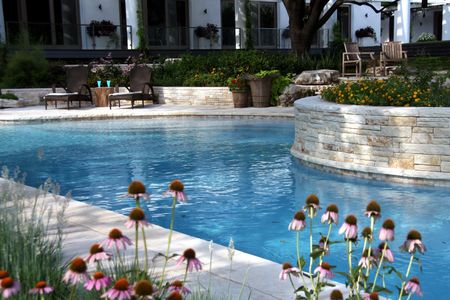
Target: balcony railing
(69,36)
(276,38)
(186,38)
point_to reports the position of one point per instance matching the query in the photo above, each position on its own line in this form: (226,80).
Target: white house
(182,24)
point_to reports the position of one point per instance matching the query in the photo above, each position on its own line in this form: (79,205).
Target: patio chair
(140,88)
(76,88)
(353,57)
(391,54)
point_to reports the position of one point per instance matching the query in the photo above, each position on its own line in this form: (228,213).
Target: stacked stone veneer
(216,96)
(406,142)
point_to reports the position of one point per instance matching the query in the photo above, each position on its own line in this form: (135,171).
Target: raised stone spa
(409,144)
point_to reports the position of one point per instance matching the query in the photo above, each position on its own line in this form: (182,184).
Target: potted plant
(239,89)
(261,87)
(101,28)
(366,36)
(209,32)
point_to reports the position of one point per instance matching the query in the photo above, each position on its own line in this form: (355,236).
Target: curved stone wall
(401,143)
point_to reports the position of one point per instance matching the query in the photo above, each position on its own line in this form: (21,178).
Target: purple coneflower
(388,255)
(178,286)
(312,201)
(413,242)
(331,214)
(143,289)
(10,287)
(41,288)
(136,189)
(287,269)
(323,244)
(77,272)
(336,295)
(98,281)
(137,216)
(371,296)
(121,290)
(97,253)
(365,260)
(349,227)
(387,230)
(367,233)
(192,261)
(176,189)
(373,209)
(116,238)
(175,296)
(413,287)
(324,271)
(298,222)
(3,275)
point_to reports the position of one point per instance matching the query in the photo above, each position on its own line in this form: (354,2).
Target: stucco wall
(359,20)
(422,22)
(402,142)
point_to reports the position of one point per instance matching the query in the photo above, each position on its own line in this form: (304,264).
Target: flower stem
(292,283)
(298,250)
(379,266)
(185,273)
(72,293)
(172,220)
(406,276)
(136,253)
(145,249)
(325,243)
(311,216)
(138,202)
(372,224)
(42,297)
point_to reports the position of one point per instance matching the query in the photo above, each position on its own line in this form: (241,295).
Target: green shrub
(278,86)
(26,69)
(426,37)
(108,72)
(421,90)
(8,96)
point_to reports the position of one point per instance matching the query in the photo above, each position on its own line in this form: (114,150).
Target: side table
(101,95)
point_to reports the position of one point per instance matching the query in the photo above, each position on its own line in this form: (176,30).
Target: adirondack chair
(354,57)
(391,54)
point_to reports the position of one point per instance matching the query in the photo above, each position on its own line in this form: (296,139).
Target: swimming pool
(239,171)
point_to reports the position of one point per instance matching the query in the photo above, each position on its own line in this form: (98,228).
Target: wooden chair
(391,54)
(353,57)
(76,88)
(140,88)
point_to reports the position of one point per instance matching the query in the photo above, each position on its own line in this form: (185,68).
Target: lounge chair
(353,57)
(140,88)
(76,88)
(391,54)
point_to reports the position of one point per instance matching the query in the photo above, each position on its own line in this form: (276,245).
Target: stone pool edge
(87,224)
(400,144)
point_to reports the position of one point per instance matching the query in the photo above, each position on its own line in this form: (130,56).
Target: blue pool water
(239,175)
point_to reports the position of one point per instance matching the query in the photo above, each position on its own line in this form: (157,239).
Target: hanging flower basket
(101,28)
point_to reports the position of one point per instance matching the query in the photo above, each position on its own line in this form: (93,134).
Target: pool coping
(39,114)
(255,276)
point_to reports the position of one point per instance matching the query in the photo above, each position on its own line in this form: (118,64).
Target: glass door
(228,24)
(264,24)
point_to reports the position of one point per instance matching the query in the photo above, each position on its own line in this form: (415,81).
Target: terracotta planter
(261,89)
(240,98)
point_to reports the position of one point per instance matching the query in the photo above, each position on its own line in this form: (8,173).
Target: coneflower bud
(189,253)
(312,200)
(136,187)
(373,209)
(367,233)
(115,234)
(96,248)
(78,265)
(143,288)
(137,214)
(286,266)
(176,185)
(336,295)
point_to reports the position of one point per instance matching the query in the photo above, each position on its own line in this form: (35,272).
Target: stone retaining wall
(402,142)
(216,96)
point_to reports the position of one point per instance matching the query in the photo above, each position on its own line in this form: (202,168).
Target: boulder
(317,77)
(294,92)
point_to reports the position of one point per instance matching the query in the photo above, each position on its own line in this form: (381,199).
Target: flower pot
(366,42)
(240,98)
(261,89)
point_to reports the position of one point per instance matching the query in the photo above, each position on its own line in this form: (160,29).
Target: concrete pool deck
(86,224)
(38,113)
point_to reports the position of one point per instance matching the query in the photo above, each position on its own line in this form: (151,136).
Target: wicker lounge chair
(76,88)
(392,54)
(353,57)
(140,88)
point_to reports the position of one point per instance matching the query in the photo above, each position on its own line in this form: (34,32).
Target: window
(228,23)
(167,22)
(264,23)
